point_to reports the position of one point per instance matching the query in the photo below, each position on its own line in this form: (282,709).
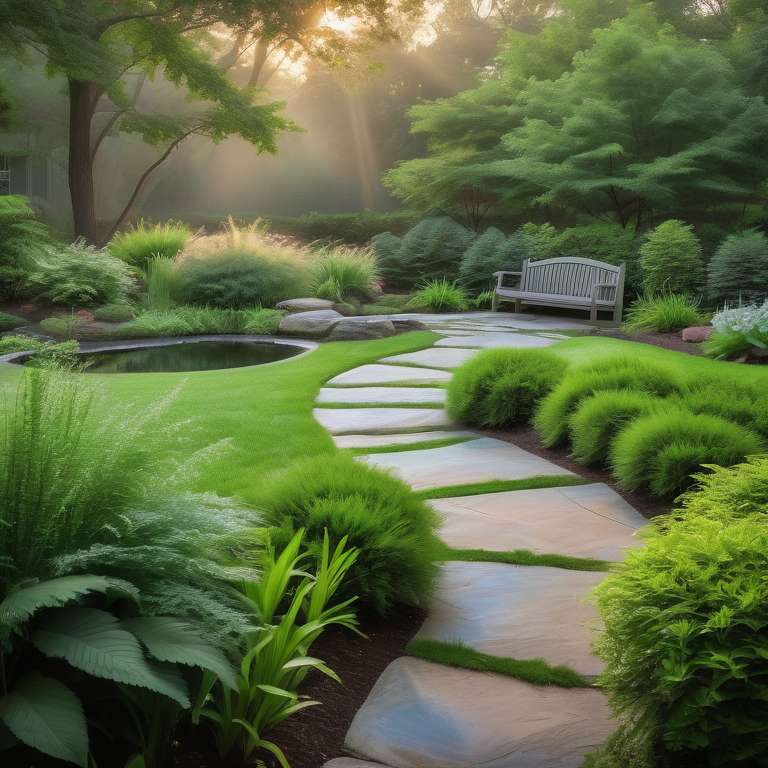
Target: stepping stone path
(421,714)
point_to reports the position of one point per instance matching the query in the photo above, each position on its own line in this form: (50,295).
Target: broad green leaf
(169,639)
(276,691)
(92,640)
(22,603)
(45,714)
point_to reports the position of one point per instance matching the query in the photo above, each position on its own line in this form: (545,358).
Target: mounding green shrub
(144,242)
(439,296)
(600,417)
(501,387)
(22,240)
(671,259)
(731,398)
(348,228)
(433,249)
(493,251)
(9,322)
(342,273)
(78,275)
(663,313)
(393,529)
(612,373)
(660,452)
(115,313)
(739,268)
(239,269)
(683,642)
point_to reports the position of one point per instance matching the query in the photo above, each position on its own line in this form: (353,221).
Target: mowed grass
(263,413)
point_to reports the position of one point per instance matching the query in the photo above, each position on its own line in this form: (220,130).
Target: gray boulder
(309,325)
(295,306)
(404,324)
(361,329)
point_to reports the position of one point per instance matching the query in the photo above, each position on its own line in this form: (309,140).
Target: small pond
(189,356)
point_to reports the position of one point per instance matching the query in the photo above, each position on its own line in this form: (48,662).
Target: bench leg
(593,314)
(495,302)
(518,305)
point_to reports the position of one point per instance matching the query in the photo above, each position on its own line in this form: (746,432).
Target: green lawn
(264,411)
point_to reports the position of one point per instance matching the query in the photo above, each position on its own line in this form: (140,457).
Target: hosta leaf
(92,640)
(22,603)
(45,714)
(169,639)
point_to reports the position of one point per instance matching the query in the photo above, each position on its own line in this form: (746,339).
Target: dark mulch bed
(673,341)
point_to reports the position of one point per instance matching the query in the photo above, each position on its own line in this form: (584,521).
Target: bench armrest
(597,286)
(501,275)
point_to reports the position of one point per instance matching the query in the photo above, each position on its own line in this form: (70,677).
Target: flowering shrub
(737,330)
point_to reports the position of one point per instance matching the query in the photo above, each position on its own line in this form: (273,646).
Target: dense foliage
(683,643)
(671,260)
(143,242)
(493,251)
(380,516)
(738,270)
(502,387)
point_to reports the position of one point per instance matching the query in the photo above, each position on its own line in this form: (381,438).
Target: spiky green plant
(664,313)
(144,242)
(161,279)
(342,273)
(439,296)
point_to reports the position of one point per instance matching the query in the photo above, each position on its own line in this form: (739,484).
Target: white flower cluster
(752,319)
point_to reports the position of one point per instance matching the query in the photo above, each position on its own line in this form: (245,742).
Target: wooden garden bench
(569,283)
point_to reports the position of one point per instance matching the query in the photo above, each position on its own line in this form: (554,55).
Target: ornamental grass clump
(391,527)
(502,387)
(239,269)
(144,242)
(663,313)
(343,273)
(599,418)
(439,296)
(736,330)
(660,452)
(613,373)
(683,635)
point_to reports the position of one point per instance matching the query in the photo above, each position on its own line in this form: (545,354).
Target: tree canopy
(642,120)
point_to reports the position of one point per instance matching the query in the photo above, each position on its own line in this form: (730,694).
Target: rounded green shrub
(660,452)
(615,372)
(671,259)
(501,387)
(393,529)
(78,275)
(239,279)
(683,635)
(431,250)
(144,242)
(9,322)
(739,268)
(492,252)
(115,313)
(600,417)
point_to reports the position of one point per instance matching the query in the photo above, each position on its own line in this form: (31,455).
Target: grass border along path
(252,421)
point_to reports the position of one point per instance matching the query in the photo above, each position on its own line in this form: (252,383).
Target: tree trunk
(82,102)
(259,58)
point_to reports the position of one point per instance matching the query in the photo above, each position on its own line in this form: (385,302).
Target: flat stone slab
(522,612)
(472,462)
(508,320)
(381,395)
(433,358)
(352,762)
(305,305)
(376,441)
(579,520)
(340,420)
(495,340)
(425,715)
(384,374)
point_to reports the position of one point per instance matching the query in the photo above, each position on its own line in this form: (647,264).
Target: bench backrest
(567,276)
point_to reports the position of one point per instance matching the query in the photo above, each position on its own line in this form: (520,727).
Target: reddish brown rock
(697,333)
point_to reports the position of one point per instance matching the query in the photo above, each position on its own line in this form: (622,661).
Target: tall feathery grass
(342,273)
(144,242)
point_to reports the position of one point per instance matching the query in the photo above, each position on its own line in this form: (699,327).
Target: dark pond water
(197,356)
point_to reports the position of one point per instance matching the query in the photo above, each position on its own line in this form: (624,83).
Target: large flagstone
(340,420)
(404,438)
(385,374)
(425,715)
(521,612)
(381,395)
(472,462)
(433,358)
(580,520)
(495,340)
